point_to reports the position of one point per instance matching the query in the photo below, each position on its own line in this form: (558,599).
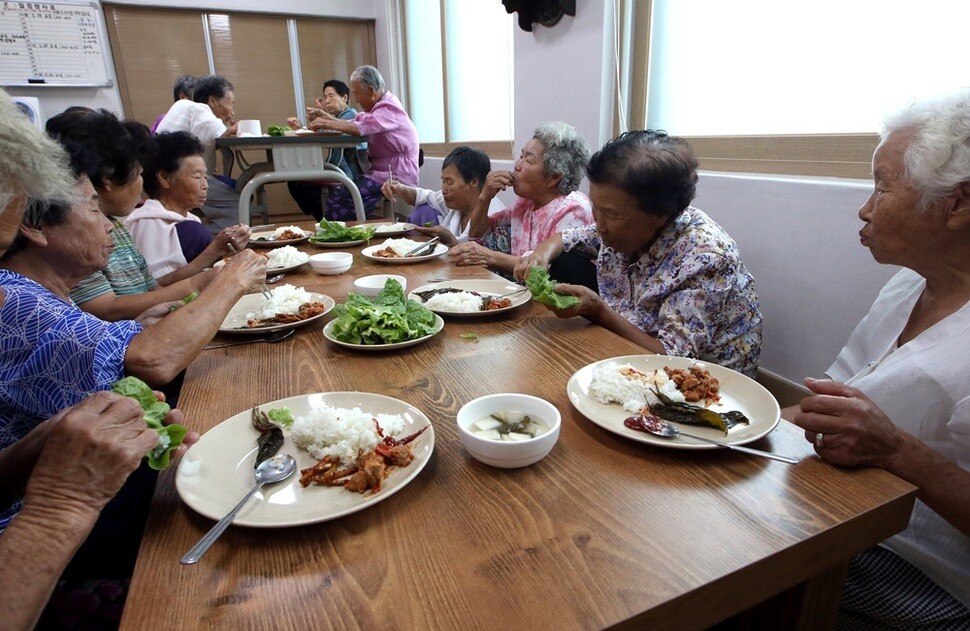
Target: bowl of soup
(508,430)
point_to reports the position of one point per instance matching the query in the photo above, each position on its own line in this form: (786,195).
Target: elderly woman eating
(545,180)
(670,278)
(173,240)
(900,395)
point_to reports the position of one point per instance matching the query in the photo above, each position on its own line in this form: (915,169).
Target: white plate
(737,393)
(486,287)
(328,333)
(270,271)
(407,227)
(368,252)
(217,471)
(271,240)
(235,321)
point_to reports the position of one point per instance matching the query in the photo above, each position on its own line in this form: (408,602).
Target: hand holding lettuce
(543,290)
(169,436)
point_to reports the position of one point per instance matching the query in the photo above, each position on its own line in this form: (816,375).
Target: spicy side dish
(288,304)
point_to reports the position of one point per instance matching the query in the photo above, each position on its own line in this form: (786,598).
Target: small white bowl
(508,454)
(372,285)
(331,262)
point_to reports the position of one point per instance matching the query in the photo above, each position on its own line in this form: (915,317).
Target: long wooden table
(602,532)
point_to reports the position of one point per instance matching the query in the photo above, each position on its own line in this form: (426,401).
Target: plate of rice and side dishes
(279,260)
(336,234)
(393,251)
(623,393)
(284,235)
(471,298)
(290,307)
(395,229)
(353,449)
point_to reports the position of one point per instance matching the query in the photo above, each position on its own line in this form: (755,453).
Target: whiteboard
(52,43)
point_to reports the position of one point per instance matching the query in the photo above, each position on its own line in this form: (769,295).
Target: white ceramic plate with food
(235,321)
(369,251)
(270,271)
(328,333)
(218,470)
(389,229)
(267,239)
(483,287)
(738,392)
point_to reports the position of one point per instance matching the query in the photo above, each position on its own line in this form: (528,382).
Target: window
(459,74)
(796,88)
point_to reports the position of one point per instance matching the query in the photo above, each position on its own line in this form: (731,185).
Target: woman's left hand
(469,253)
(589,301)
(321,121)
(854,431)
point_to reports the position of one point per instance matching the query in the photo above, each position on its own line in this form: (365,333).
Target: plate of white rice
(218,470)
(271,238)
(285,259)
(606,397)
(464,303)
(392,229)
(286,299)
(400,248)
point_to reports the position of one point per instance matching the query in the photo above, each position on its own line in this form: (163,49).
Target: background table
(602,532)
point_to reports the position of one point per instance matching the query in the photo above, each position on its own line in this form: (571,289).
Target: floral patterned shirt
(690,290)
(530,226)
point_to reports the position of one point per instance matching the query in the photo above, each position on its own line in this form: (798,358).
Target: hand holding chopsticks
(262,287)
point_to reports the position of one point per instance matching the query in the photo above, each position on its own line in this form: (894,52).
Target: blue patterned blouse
(690,290)
(52,354)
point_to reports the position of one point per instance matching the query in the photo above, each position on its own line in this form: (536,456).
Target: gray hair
(938,158)
(369,76)
(565,153)
(32,164)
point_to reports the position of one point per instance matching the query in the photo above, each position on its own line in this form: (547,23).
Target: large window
(459,74)
(801,88)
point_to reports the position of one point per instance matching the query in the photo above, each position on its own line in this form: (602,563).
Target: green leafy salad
(169,436)
(277,130)
(543,290)
(333,232)
(387,319)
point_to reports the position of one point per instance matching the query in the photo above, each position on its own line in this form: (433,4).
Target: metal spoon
(666,430)
(272,338)
(275,469)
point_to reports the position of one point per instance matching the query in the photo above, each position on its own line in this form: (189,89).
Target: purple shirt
(392,141)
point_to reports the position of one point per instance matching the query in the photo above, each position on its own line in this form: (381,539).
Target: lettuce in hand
(169,436)
(388,319)
(543,290)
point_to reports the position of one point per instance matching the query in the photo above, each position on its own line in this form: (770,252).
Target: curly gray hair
(565,153)
(938,158)
(32,164)
(369,76)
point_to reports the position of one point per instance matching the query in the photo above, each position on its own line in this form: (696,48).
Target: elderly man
(392,141)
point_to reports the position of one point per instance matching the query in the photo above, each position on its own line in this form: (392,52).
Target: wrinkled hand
(855,431)
(247,269)
(155,313)
(321,120)
(237,235)
(521,270)
(90,452)
(589,301)
(294,123)
(392,189)
(469,253)
(446,236)
(175,417)
(232,127)
(496,181)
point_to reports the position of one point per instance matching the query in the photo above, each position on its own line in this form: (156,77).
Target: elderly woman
(182,89)
(209,115)
(463,174)
(173,240)
(69,466)
(670,278)
(392,144)
(125,287)
(545,179)
(900,399)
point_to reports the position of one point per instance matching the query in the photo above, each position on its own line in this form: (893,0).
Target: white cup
(249,128)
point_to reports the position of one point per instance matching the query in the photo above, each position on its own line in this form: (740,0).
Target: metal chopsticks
(430,243)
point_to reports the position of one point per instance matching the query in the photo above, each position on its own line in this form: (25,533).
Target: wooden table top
(602,532)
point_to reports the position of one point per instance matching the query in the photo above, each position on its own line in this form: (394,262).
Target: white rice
(455,301)
(282,229)
(286,256)
(330,431)
(400,246)
(393,227)
(286,299)
(610,385)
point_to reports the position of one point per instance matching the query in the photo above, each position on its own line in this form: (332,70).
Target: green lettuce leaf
(331,231)
(543,290)
(281,416)
(169,436)
(387,319)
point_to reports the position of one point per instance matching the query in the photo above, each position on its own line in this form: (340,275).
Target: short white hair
(938,158)
(369,76)
(31,164)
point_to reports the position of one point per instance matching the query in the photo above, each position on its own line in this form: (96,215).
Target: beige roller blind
(331,49)
(151,48)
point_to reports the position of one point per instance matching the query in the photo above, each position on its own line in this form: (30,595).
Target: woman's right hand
(445,236)
(521,270)
(495,182)
(393,189)
(247,268)
(238,236)
(294,123)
